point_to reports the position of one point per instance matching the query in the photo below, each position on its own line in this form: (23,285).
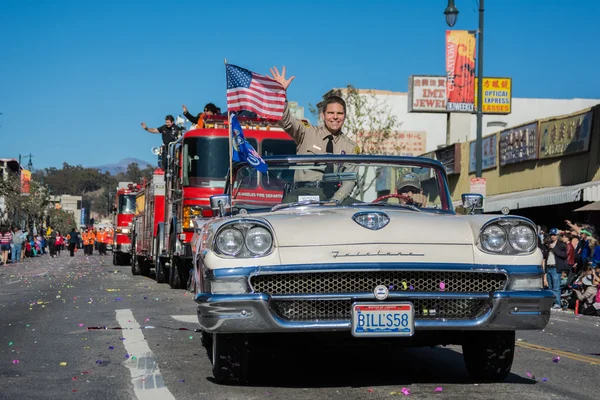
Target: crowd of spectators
(572,266)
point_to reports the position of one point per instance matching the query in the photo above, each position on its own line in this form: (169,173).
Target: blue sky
(78,77)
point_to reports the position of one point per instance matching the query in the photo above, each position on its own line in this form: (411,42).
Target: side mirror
(220,204)
(472,201)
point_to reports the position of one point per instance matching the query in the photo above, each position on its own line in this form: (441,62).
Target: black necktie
(329,150)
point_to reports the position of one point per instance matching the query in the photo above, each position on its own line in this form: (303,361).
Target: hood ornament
(373,220)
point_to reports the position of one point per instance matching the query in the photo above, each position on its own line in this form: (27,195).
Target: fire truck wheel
(206,339)
(135,266)
(144,268)
(230,356)
(191,283)
(161,277)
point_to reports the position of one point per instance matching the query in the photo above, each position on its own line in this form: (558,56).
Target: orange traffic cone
(577,307)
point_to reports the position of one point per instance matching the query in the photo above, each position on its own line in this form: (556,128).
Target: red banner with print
(460,71)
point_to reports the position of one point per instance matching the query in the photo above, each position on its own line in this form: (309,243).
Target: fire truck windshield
(126,204)
(207,160)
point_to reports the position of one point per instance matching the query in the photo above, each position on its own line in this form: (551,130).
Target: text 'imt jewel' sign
(426,93)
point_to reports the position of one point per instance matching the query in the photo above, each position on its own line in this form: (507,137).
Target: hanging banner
(488,159)
(565,136)
(460,71)
(518,144)
(25,181)
(497,95)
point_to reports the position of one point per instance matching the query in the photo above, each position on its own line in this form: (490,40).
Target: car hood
(319,226)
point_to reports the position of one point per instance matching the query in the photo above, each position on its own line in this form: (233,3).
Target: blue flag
(242,150)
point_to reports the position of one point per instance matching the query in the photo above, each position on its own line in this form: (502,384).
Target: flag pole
(230,141)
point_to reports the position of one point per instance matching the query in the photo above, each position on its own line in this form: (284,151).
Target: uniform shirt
(169,134)
(313,140)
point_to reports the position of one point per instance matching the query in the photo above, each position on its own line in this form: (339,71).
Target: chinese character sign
(565,136)
(488,159)
(460,71)
(518,144)
(403,143)
(427,94)
(497,95)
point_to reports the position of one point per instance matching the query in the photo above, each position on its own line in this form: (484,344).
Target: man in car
(325,139)
(409,186)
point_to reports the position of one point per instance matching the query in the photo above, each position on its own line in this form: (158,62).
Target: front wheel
(489,355)
(230,355)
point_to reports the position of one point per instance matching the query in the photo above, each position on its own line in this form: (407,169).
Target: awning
(595,206)
(589,191)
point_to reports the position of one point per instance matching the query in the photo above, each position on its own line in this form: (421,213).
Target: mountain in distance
(121,166)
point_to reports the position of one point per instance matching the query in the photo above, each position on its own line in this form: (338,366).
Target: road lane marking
(190,318)
(146,378)
(567,354)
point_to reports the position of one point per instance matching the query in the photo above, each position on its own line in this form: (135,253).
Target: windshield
(208,160)
(394,184)
(126,204)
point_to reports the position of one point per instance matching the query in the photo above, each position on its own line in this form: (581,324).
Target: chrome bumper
(506,309)
(123,248)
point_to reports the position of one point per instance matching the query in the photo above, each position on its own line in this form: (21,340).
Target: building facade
(72,204)
(442,129)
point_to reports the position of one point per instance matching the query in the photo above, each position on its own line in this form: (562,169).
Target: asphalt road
(53,315)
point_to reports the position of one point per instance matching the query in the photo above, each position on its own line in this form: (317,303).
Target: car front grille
(339,310)
(366,281)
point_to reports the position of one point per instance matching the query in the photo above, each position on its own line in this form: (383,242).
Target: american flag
(249,91)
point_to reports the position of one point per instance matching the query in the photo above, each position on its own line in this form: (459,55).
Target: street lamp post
(451,13)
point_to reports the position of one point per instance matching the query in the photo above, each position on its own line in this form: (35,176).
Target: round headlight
(493,238)
(230,241)
(258,240)
(522,238)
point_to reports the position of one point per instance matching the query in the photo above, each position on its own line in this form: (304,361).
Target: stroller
(566,291)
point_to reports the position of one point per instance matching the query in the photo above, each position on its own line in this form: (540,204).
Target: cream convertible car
(368,245)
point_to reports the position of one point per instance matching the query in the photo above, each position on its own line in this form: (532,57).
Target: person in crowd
(556,262)
(6,238)
(586,292)
(60,242)
(18,240)
(73,241)
(51,235)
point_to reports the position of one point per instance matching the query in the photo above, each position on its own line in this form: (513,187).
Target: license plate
(385,319)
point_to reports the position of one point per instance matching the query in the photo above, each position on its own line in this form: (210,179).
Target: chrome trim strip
(534,270)
(391,296)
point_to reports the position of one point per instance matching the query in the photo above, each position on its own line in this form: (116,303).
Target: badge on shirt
(357,150)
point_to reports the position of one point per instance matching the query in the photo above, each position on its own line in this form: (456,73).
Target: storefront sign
(518,144)
(497,95)
(450,157)
(403,143)
(488,159)
(426,93)
(460,71)
(565,136)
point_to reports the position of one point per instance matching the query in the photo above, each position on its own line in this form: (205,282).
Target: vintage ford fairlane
(370,246)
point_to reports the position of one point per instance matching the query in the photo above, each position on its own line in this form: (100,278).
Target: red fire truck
(150,211)
(123,212)
(196,169)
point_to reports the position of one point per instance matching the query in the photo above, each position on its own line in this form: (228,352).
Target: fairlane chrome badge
(381,292)
(337,254)
(373,220)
